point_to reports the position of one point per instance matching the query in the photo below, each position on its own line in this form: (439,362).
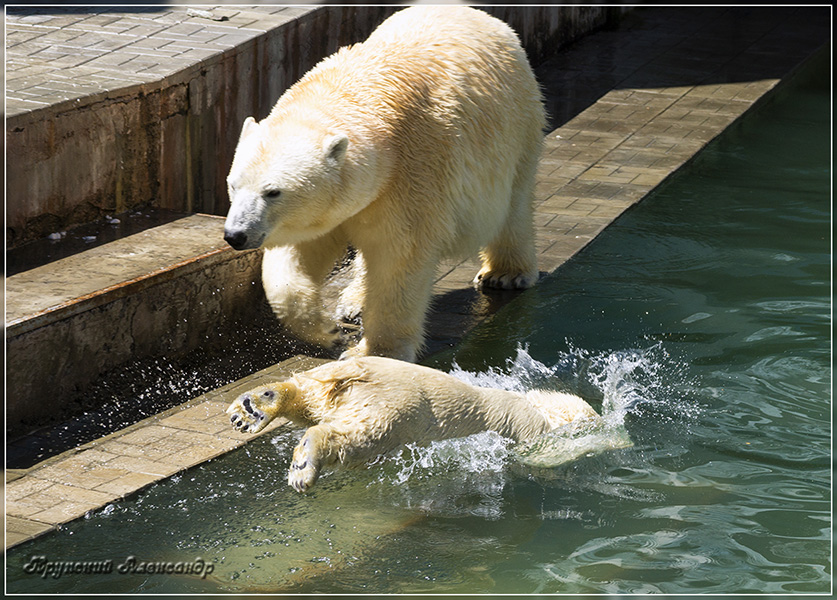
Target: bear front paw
(303,472)
(504,281)
(329,336)
(247,415)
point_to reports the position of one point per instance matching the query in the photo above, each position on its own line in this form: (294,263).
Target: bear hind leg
(509,261)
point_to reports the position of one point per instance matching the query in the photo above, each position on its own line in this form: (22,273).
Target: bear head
(286,184)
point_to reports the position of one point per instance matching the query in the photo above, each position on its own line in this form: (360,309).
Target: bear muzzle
(240,240)
(236,239)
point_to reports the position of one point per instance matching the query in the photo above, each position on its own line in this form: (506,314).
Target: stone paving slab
(78,55)
(659,91)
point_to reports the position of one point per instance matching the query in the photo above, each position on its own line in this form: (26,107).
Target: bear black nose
(236,239)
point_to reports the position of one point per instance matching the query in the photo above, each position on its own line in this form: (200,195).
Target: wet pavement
(629,107)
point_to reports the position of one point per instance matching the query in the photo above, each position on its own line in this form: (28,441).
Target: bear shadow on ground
(453,314)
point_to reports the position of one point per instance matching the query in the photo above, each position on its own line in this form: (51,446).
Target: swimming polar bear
(363,407)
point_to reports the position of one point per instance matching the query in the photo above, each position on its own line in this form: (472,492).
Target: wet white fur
(419,144)
(360,408)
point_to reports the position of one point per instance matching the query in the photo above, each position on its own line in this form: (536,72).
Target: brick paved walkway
(81,54)
(661,87)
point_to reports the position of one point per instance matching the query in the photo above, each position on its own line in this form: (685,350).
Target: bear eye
(267,394)
(272,193)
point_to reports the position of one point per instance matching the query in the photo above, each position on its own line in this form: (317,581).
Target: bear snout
(236,239)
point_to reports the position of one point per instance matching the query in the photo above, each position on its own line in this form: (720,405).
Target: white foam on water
(453,478)
(483,453)
(622,382)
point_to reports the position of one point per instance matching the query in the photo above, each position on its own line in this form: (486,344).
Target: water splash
(632,382)
(639,382)
(451,478)
(483,453)
(521,373)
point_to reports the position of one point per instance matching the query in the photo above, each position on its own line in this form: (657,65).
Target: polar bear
(418,144)
(361,407)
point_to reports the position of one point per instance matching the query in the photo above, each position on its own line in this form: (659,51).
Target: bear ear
(335,147)
(249,127)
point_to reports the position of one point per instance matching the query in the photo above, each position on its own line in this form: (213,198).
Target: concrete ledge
(116,269)
(155,293)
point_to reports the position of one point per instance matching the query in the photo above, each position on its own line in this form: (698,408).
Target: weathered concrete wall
(169,143)
(72,166)
(544,29)
(49,363)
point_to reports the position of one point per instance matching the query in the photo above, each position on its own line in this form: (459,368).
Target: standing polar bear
(362,407)
(418,144)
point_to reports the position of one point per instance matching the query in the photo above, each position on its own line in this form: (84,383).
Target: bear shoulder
(323,385)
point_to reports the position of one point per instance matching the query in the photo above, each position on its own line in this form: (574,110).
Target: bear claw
(248,423)
(504,280)
(301,480)
(303,472)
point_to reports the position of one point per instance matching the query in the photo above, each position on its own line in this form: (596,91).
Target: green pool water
(701,320)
